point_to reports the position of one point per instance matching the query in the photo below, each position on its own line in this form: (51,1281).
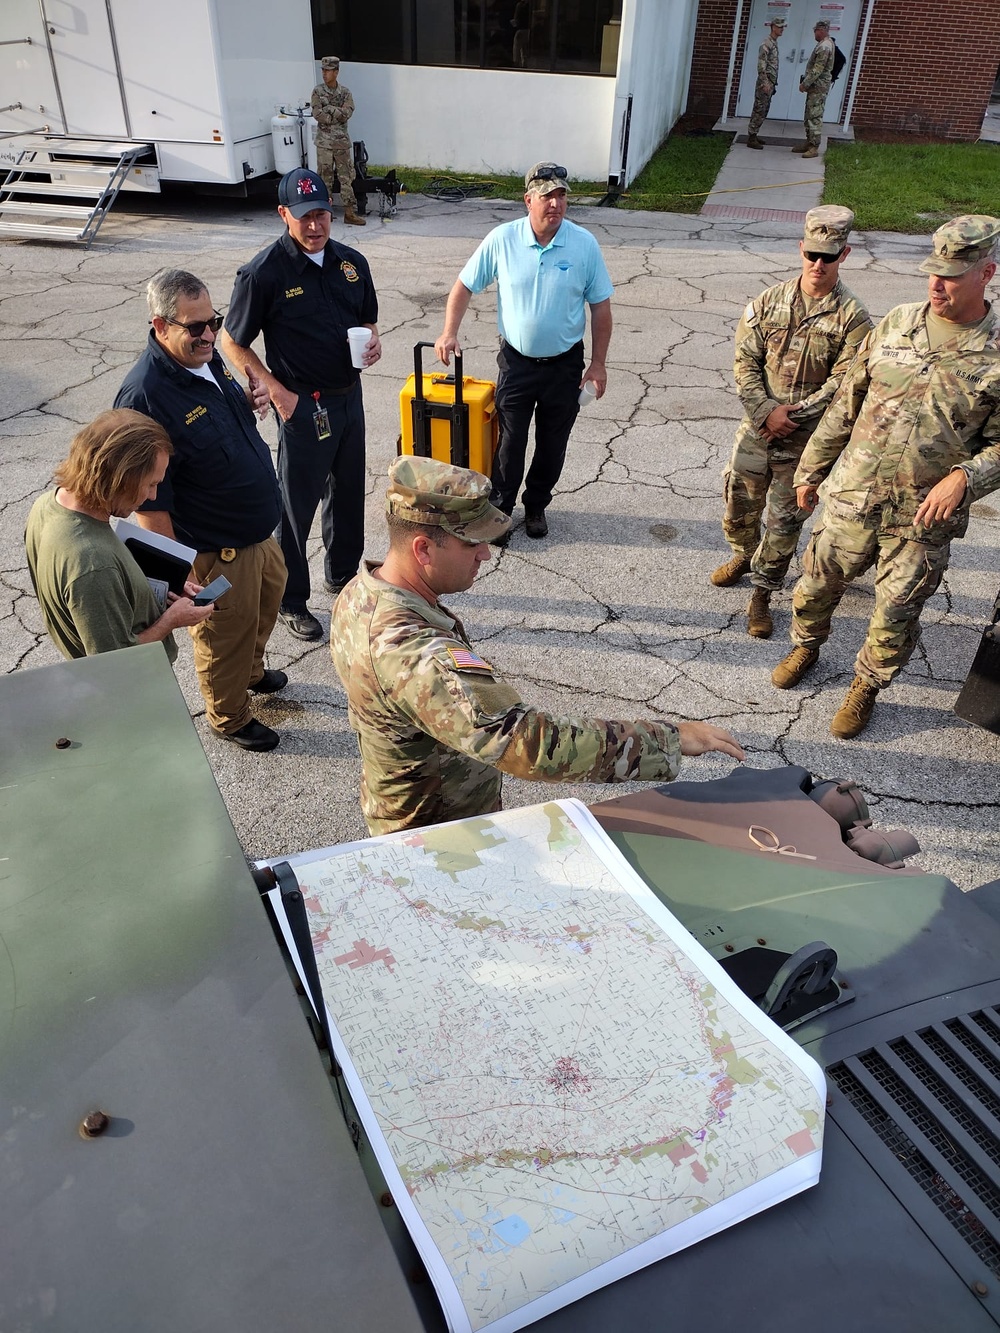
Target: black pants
(331,470)
(549,391)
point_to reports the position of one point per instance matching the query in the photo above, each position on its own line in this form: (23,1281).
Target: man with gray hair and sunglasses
(547,271)
(219,495)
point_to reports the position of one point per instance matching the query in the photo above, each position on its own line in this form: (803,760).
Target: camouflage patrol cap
(962,243)
(827,229)
(546,178)
(422,490)
(776,21)
(822,23)
(330,62)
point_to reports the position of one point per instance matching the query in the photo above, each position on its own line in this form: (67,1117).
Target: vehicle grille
(933,1099)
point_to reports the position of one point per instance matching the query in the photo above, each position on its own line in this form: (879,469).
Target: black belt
(541,360)
(310,389)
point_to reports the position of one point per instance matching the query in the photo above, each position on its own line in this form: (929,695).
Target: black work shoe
(254,736)
(270,682)
(535,524)
(302,624)
(335,589)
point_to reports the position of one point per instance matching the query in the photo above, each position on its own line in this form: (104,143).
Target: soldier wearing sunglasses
(794,344)
(219,495)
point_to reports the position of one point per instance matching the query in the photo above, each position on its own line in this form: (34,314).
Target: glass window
(552,36)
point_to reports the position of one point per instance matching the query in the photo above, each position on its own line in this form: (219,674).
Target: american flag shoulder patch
(466,660)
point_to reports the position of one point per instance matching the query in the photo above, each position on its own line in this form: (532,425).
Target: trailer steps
(53,166)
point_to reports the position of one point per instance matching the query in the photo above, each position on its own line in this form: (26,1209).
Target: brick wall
(710,58)
(928,68)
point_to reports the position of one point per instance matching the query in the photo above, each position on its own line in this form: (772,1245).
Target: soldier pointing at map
(436,725)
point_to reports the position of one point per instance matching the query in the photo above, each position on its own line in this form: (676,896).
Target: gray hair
(167,287)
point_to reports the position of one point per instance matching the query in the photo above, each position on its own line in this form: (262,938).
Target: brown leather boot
(854,713)
(352,219)
(792,668)
(759,622)
(731,572)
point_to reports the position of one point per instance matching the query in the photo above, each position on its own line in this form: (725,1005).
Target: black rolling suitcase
(979,698)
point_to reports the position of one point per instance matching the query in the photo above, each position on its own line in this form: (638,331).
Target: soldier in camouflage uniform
(794,344)
(815,83)
(332,107)
(767,82)
(911,440)
(435,723)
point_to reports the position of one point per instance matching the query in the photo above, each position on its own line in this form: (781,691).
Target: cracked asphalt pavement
(612,614)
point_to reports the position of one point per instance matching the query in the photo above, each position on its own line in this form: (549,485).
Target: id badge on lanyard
(321,420)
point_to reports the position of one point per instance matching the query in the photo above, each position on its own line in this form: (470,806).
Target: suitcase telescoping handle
(423,411)
(418,371)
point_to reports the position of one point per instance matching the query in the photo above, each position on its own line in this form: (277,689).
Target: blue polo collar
(531,240)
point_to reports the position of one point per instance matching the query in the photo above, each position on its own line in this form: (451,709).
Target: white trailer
(105,94)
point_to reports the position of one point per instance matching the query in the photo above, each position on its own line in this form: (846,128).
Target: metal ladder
(67,169)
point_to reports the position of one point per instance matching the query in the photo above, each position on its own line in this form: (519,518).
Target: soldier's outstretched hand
(700,737)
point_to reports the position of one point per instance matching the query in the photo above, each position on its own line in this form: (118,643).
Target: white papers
(127,531)
(560,1084)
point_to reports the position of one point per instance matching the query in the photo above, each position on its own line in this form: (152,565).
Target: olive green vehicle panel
(139,975)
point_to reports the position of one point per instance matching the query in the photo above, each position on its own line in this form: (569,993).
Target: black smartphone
(213,591)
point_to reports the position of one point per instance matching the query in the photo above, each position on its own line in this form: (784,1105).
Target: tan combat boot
(731,572)
(792,668)
(811,151)
(801,148)
(352,219)
(759,622)
(854,713)
(754,142)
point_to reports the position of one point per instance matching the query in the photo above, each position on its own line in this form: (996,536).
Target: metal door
(82,42)
(794,48)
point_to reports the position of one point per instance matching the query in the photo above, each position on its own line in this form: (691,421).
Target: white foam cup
(359,338)
(588,393)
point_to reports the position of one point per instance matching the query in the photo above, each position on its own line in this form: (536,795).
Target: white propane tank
(286,142)
(293,135)
(309,128)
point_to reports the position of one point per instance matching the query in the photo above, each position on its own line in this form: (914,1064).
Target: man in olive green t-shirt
(93,596)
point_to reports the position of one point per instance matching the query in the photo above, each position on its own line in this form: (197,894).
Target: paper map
(560,1084)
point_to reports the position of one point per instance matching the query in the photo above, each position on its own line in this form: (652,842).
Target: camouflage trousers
(907,573)
(813,116)
(336,150)
(761,106)
(757,474)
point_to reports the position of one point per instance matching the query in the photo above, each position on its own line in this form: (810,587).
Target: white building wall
(482,120)
(654,67)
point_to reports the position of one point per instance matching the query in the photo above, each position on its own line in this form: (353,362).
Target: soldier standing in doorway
(767,81)
(815,83)
(332,107)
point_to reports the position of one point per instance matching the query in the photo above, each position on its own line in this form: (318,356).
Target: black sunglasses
(550,174)
(197,327)
(814,256)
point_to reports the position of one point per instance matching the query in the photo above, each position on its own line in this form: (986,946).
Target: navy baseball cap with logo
(301,191)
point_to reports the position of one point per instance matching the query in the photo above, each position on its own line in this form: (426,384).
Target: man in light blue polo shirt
(547,272)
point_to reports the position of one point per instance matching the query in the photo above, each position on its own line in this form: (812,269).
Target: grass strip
(912,187)
(676,179)
(680,174)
